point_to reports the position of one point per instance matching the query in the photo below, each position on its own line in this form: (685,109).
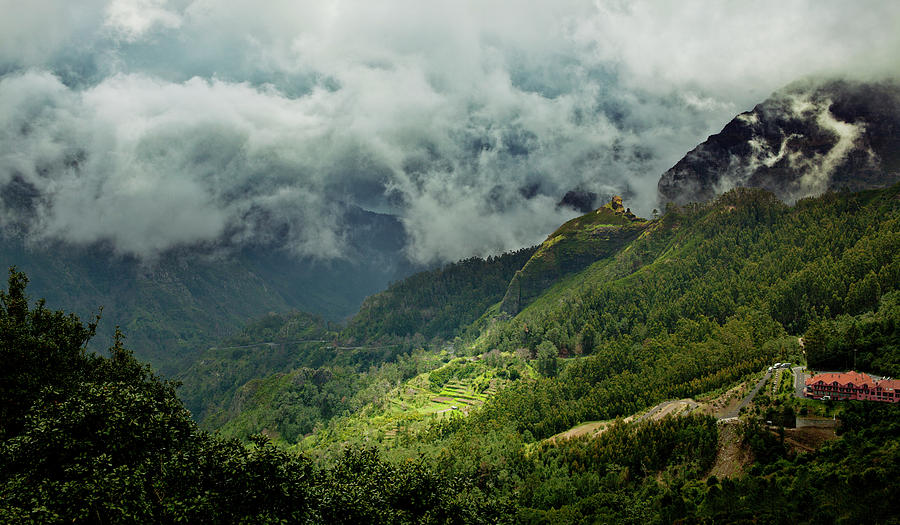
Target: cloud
(132,19)
(153,124)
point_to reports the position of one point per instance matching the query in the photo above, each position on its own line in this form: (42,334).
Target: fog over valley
(149,125)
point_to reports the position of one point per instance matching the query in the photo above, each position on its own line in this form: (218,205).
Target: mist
(153,124)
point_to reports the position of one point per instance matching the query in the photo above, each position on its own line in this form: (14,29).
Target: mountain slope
(695,303)
(571,248)
(436,303)
(188,298)
(803,140)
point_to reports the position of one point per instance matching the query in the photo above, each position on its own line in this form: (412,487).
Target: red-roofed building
(852,385)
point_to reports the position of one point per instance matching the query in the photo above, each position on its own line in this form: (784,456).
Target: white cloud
(153,124)
(132,19)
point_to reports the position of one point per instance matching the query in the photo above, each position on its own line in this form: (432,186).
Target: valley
(625,369)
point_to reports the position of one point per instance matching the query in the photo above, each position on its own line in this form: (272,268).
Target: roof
(843,378)
(889,384)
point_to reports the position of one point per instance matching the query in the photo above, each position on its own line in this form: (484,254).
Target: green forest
(436,405)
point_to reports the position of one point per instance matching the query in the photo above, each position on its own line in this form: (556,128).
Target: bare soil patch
(807,439)
(593,428)
(670,407)
(727,402)
(732,456)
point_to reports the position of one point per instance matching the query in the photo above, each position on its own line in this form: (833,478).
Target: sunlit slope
(820,258)
(572,247)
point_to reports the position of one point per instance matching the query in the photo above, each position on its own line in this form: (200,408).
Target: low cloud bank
(153,124)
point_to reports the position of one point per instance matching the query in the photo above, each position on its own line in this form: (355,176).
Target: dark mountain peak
(579,200)
(810,137)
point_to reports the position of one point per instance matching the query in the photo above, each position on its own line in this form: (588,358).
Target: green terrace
(450,391)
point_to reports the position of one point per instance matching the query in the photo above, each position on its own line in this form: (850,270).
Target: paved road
(747,399)
(799,381)
(269,343)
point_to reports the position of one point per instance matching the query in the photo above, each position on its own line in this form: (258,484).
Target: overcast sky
(152,124)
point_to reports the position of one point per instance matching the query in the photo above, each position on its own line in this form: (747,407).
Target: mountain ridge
(806,138)
(570,248)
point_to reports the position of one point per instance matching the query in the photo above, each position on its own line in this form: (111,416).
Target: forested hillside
(438,303)
(571,248)
(186,300)
(257,379)
(710,294)
(177,303)
(92,439)
(705,298)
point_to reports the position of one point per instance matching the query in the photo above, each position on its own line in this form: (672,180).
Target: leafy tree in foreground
(86,438)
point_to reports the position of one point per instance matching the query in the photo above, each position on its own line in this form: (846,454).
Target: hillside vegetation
(92,439)
(703,298)
(707,296)
(255,380)
(571,248)
(438,303)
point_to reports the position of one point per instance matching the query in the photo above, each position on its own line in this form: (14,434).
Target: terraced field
(452,390)
(420,404)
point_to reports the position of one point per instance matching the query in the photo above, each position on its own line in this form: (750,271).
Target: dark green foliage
(850,480)
(868,341)
(746,249)
(437,303)
(176,304)
(546,362)
(765,446)
(288,405)
(705,296)
(621,457)
(708,296)
(365,489)
(571,248)
(86,438)
(275,343)
(623,377)
(280,328)
(258,379)
(38,348)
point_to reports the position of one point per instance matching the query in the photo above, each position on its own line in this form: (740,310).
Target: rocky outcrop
(803,141)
